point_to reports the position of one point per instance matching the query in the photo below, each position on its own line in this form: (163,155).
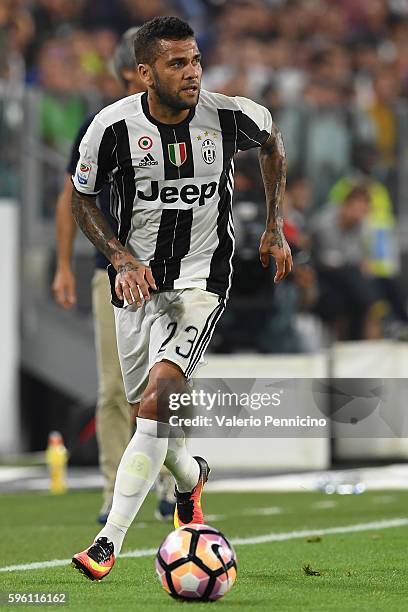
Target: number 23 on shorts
(184,349)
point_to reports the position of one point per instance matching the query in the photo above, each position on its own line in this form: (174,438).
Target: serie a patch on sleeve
(83,173)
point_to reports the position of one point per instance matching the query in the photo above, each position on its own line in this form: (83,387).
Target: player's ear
(145,74)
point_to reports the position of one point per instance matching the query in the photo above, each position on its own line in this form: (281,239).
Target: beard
(169,99)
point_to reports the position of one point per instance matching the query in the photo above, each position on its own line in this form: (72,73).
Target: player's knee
(154,403)
(148,407)
(165,379)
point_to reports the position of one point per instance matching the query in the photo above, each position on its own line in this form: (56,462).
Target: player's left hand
(274,243)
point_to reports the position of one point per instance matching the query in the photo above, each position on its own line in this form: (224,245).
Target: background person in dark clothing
(347,292)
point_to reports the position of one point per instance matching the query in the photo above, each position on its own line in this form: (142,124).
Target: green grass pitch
(364,571)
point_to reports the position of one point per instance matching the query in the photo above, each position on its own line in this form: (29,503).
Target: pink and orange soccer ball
(196,562)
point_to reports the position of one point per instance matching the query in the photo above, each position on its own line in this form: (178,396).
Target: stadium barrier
(386,361)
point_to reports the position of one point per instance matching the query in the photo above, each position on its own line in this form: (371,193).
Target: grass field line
(261,539)
(293,535)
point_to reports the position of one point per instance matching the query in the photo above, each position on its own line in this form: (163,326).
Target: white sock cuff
(156,429)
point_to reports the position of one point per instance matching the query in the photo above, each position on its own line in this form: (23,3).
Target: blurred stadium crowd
(334,74)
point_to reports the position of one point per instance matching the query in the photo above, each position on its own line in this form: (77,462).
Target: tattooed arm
(272,160)
(131,274)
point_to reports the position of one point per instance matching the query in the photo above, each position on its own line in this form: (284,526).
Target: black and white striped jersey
(171,185)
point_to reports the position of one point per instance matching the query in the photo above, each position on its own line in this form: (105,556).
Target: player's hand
(64,287)
(273,243)
(133,279)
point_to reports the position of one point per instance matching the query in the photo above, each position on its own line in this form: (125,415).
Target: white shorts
(174,325)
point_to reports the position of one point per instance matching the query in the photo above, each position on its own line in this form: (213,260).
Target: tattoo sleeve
(96,228)
(272,159)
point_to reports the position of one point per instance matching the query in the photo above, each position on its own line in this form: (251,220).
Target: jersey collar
(145,107)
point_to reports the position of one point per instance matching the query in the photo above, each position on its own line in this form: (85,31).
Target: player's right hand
(133,279)
(274,244)
(64,288)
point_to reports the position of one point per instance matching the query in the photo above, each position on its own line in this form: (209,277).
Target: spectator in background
(17,31)
(139,11)
(290,327)
(274,323)
(298,202)
(62,107)
(299,41)
(399,45)
(242,69)
(382,253)
(51,16)
(347,293)
(105,14)
(382,112)
(53,19)
(72,75)
(290,119)
(327,136)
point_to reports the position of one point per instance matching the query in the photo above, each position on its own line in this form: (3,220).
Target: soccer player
(113,418)
(168,154)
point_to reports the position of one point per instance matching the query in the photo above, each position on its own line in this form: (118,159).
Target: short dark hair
(159,28)
(358,192)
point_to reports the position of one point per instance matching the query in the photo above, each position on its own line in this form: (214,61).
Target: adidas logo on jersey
(148,160)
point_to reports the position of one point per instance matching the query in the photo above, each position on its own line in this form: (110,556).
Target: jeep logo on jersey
(177,153)
(189,194)
(208,150)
